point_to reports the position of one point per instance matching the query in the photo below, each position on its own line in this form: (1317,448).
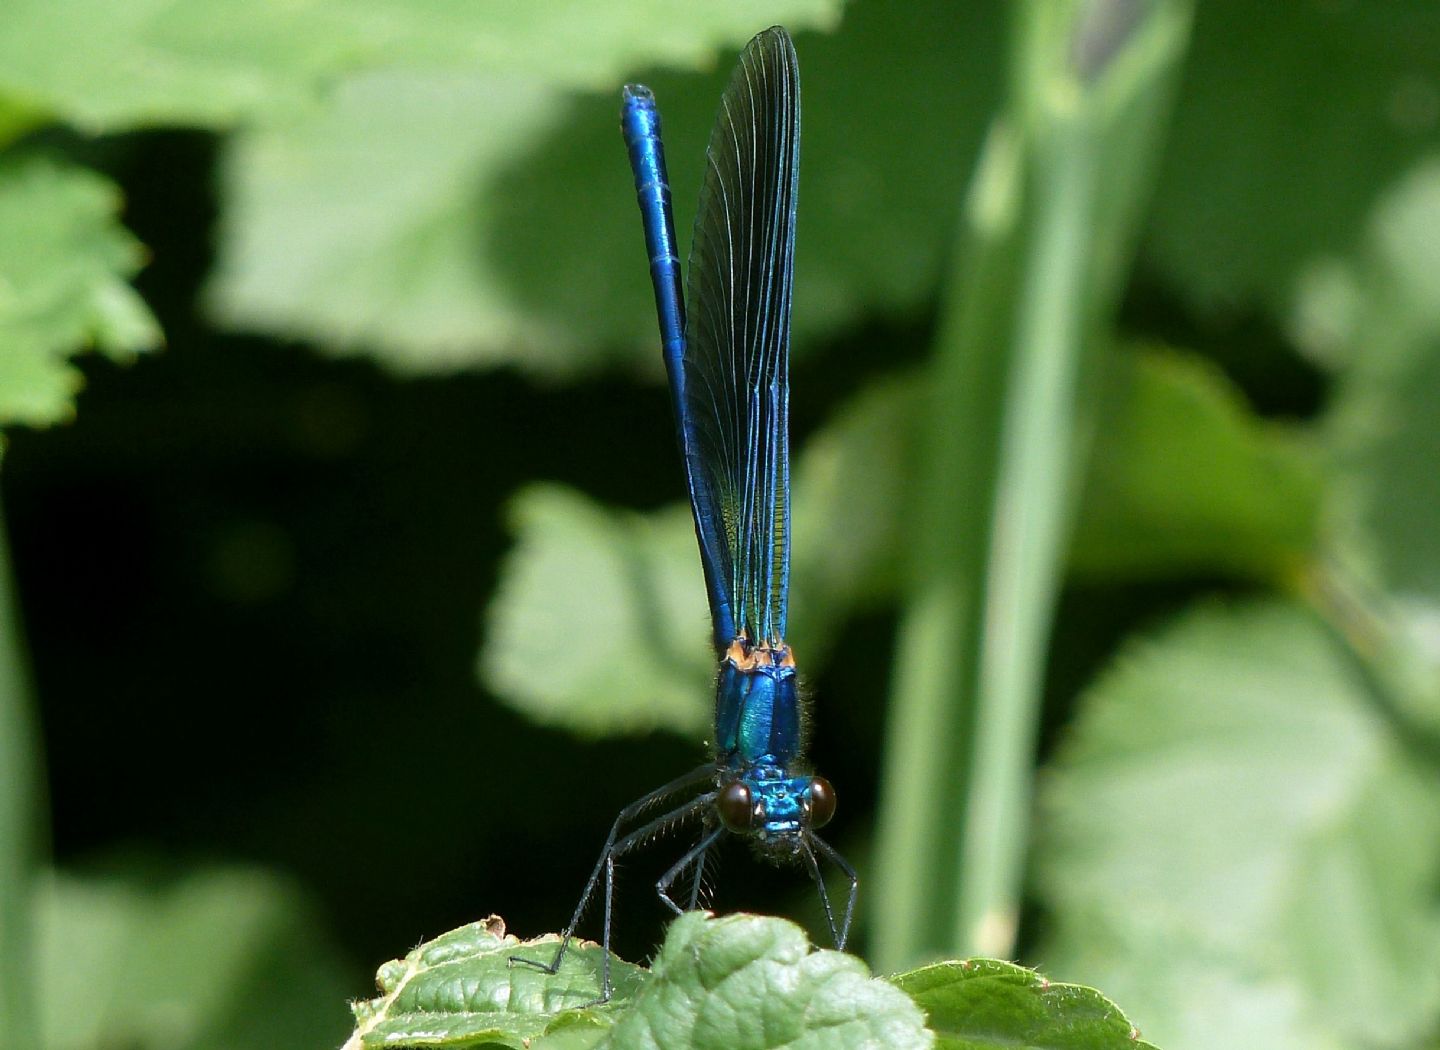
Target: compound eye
(822,802)
(737,808)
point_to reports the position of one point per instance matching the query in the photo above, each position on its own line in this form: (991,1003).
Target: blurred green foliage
(121,963)
(1236,832)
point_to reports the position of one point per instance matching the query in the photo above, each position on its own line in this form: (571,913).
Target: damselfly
(727,361)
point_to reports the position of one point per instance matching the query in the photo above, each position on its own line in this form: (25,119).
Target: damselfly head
(775,812)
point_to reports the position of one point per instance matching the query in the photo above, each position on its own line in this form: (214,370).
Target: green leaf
(462,990)
(365,226)
(583,583)
(735,983)
(1185,479)
(1234,827)
(1283,87)
(742,982)
(413,217)
(227,958)
(745,982)
(986,1004)
(64,261)
(106,66)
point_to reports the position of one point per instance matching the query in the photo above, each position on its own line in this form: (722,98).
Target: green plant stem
(22,835)
(1046,238)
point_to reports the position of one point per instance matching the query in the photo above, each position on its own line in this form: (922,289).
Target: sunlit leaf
(986,1004)
(439,219)
(600,622)
(744,982)
(462,990)
(64,264)
(735,983)
(106,66)
(1233,795)
(367,226)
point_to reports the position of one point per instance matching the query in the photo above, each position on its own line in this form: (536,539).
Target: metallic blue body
(640,126)
(757,716)
(759,740)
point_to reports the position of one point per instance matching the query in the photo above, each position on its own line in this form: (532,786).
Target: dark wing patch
(737,387)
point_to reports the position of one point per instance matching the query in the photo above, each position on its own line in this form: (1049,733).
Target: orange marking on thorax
(745,657)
